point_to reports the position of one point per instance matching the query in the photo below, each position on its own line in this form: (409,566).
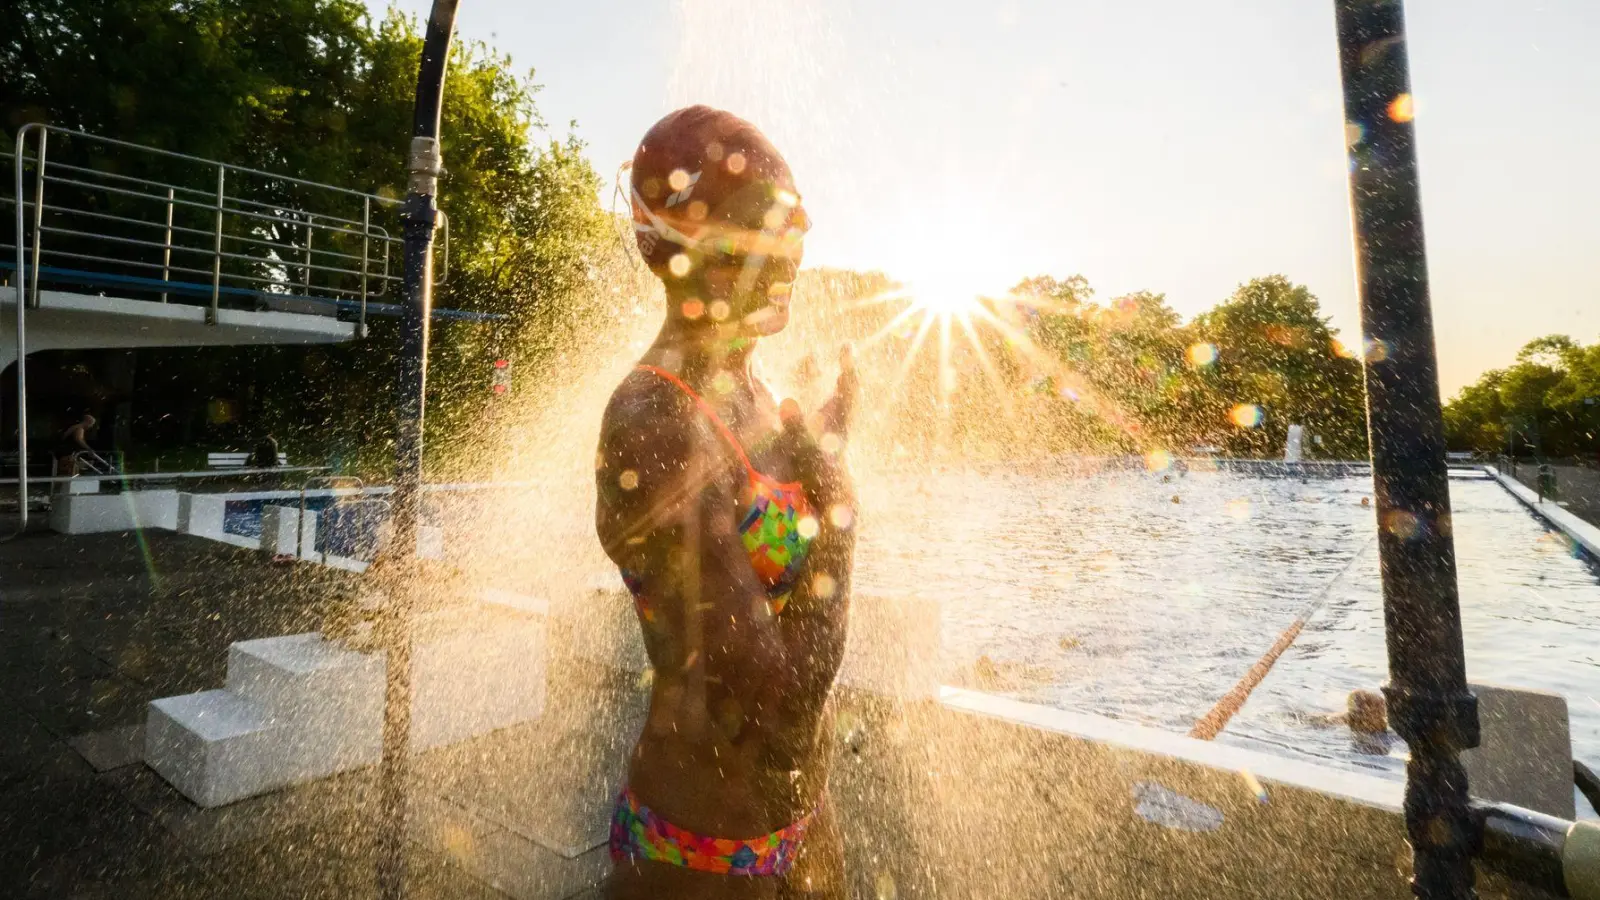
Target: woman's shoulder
(642,403)
(650,424)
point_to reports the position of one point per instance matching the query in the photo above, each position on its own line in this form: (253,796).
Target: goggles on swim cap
(784,224)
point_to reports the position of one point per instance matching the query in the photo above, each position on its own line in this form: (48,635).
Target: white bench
(232,460)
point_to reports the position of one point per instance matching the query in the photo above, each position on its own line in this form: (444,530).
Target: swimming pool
(1146,596)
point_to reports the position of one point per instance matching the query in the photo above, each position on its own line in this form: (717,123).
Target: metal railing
(196,230)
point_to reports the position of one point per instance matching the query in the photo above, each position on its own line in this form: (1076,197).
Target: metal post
(305,281)
(420,215)
(216,258)
(366,232)
(1428,699)
(166,252)
(38,212)
(22,346)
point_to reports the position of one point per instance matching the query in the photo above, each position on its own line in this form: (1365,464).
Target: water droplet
(841,516)
(1402,108)
(678,180)
(719,310)
(735,162)
(1201,354)
(1245,415)
(823,585)
(678,265)
(1402,524)
(628,480)
(808,526)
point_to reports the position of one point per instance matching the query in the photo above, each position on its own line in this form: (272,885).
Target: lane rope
(1212,723)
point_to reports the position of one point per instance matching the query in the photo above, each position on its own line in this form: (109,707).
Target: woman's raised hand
(836,415)
(815,444)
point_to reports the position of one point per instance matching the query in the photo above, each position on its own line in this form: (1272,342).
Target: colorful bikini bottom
(637,832)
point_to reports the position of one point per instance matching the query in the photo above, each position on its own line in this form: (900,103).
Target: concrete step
(297,707)
(328,700)
(213,746)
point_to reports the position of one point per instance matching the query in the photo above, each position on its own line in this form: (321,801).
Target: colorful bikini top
(777,526)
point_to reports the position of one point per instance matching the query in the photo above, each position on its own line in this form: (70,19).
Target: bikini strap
(710,413)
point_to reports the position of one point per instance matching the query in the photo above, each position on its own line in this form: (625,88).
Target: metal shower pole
(420,216)
(1429,702)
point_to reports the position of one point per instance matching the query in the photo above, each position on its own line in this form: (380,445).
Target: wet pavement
(92,628)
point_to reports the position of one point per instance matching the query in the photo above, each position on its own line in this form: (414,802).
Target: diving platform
(65,320)
(109,244)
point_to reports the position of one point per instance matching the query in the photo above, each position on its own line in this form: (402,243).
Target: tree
(1476,419)
(1550,398)
(312,89)
(1276,352)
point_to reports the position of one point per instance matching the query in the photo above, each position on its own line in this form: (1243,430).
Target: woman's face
(762,289)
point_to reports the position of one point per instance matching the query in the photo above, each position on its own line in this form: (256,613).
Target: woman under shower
(729,515)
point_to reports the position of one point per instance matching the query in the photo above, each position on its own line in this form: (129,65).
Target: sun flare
(944,301)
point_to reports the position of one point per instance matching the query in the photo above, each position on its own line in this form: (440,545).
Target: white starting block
(87,511)
(1524,752)
(297,707)
(284,532)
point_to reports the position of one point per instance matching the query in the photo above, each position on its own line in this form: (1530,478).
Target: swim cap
(707,183)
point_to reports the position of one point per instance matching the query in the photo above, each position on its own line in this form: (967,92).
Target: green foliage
(1547,403)
(1154,382)
(1048,370)
(315,90)
(1276,351)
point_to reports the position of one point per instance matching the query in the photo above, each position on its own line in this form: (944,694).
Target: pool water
(1146,596)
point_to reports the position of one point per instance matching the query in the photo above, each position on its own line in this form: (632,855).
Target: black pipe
(1428,699)
(419,218)
(1588,783)
(1523,845)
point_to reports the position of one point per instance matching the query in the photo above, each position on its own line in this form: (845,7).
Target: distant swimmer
(1367,716)
(1366,501)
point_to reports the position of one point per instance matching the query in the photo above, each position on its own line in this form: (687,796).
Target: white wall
(90,513)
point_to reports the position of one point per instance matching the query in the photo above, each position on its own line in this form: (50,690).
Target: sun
(945,297)
(944,302)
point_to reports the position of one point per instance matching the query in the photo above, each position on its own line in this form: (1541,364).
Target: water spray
(420,215)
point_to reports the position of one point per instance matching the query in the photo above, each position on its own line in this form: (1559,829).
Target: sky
(1163,145)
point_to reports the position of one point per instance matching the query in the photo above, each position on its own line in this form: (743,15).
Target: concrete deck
(960,796)
(92,628)
(1580,532)
(1577,487)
